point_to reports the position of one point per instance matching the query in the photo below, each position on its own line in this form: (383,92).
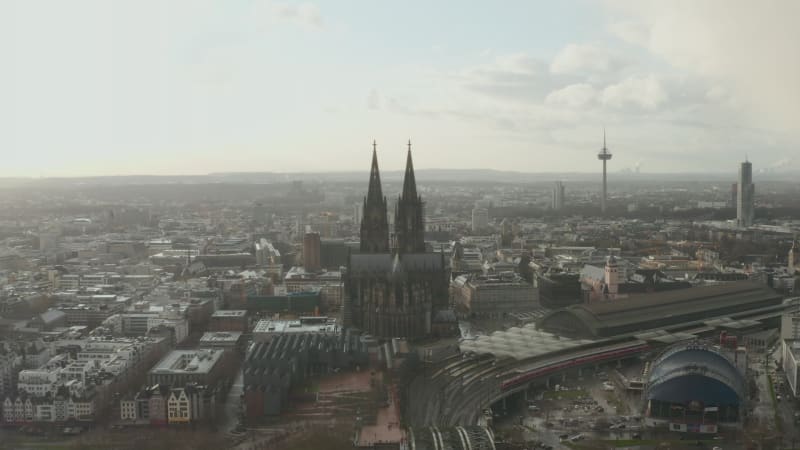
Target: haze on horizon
(200,86)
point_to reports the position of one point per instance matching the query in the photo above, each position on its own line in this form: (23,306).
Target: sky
(199,86)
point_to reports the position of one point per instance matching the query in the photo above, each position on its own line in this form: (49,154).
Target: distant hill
(430,175)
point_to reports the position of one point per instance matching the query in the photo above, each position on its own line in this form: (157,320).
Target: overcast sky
(189,87)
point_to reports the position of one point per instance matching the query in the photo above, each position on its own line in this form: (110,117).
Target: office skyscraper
(480,219)
(357,214)
(558,195)
(745,201)
(311,252)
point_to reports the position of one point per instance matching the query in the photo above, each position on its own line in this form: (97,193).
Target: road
(233,404)
(763,407)
(787,406)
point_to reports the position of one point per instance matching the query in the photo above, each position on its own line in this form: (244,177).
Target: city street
(233,406)
(763,412)
(787,406)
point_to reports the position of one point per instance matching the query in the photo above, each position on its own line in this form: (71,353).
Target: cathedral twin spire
(374,193)
(409,222)
(374,225)
(409,183)
(408,219)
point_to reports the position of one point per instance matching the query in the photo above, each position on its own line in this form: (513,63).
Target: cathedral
(394,287)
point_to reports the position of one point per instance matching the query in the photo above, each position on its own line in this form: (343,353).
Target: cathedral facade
(394,287)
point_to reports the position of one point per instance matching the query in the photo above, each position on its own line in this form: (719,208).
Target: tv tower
(604,156)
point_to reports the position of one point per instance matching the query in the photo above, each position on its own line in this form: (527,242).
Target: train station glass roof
(519,343)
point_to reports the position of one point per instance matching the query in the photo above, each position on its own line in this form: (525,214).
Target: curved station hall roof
(691,372)
(660,310)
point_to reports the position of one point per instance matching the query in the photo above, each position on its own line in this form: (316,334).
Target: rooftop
(297,273)
(188,361)
(661,310)
(503,279)
(230,313)
(220,337)
(676,373)
(519,343)
(52,316)
(304,325)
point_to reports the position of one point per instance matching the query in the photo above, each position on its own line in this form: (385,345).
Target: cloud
(573,96)
(749,48)
(374,100)
(517,77)
(783,163)
(630,31)
(408,108)
(519,63)
(518,98)
(643,92)
(584,59)
(304,14)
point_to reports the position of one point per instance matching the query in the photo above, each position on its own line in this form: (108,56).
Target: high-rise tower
(558,195)
(604,156)
(374,224)
(408,220)
(745,202)
(311,252)
(480,218)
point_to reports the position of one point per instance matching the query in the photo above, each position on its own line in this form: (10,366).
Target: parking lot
(590,407)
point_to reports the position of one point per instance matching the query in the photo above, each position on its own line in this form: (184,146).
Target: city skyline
(314,224)
(206,87)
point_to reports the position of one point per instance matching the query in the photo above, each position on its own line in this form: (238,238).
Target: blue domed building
(693,387)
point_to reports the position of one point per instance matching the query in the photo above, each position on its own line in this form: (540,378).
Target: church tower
(611,278)
(374,224)
(794,257)
(408,221)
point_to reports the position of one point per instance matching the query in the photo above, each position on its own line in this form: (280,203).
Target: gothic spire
(374,224)
(409,222)
(374,193)
(409,182)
